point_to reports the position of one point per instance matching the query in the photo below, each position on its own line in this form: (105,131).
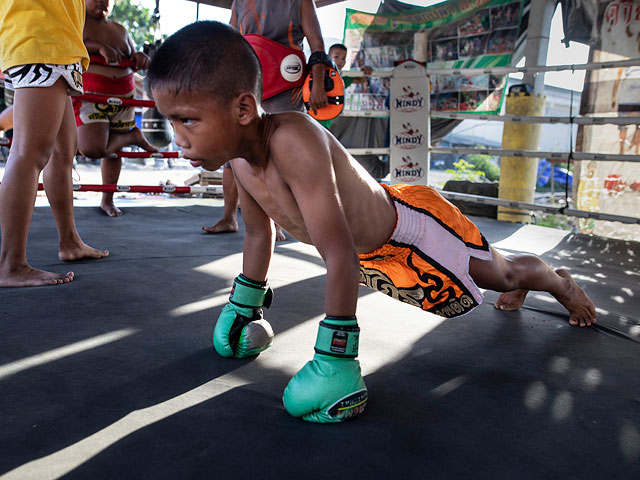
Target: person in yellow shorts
(42,57)
(407,241)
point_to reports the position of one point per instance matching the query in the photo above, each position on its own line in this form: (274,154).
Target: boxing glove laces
(329,388)
(241,331)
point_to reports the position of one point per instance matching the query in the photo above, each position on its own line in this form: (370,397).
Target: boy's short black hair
(338,46)
(208,57)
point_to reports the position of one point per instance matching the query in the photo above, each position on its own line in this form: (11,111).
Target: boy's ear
(246,108)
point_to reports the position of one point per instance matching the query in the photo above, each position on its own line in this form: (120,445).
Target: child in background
(338,53)
(42,56)
(105,129)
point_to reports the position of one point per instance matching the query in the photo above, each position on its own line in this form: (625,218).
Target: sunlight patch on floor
(56,354)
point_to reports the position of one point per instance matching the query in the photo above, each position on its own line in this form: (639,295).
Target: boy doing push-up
(407,241)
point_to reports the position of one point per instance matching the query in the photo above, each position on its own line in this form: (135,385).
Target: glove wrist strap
(247,293)
(338,337)
(320,57)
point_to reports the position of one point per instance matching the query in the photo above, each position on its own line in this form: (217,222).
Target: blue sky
(175,14)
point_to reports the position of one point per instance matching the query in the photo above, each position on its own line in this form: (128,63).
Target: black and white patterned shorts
(44,75)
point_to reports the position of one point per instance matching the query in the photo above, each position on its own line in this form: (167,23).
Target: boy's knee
(93,152)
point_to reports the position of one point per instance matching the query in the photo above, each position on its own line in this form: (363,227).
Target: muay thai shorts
(44,75)
(426,261)
(117,116)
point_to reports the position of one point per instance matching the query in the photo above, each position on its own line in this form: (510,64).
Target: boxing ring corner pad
(409,124)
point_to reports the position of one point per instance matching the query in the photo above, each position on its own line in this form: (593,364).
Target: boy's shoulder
(291,129)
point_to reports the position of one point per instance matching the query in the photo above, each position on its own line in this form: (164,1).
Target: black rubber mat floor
(114,374)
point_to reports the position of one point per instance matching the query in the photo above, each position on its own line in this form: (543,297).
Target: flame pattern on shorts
(404,271)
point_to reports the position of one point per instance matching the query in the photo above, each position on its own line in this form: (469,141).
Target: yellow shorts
(426,260)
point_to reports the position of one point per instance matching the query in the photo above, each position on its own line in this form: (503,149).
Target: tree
(138,21)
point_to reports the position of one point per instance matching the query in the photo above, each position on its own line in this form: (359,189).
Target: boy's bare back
(294,181)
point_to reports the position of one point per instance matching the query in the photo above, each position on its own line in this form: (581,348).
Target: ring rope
(117,101)
(217,189)
(571,212)
(214,189)
(99,60)
(531,119)
(6,142)
(504,70)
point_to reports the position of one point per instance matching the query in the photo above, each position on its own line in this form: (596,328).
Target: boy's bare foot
(582,311)
(28,276)
(511,300)
(110,210)
(80,252)
(280,236)
(223,226)
(140,140)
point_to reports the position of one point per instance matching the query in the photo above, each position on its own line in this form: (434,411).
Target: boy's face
(339,56)
(203,128)
(99,8)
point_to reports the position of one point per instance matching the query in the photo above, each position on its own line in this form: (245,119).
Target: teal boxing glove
(241,331)
(329,388)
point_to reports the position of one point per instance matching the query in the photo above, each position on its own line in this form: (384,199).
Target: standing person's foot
(110,210)
(280,236)
(80,251)
(27,276)
(223,226)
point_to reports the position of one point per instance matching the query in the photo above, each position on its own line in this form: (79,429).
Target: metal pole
(537,44)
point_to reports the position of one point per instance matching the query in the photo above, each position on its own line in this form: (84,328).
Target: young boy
(105,129)
(42,56)
(407,241)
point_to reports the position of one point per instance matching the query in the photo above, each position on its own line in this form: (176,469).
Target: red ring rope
(98,59)
(147,154)
(130,188)
(126,102)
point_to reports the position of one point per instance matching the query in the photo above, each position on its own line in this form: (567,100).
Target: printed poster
(462,34)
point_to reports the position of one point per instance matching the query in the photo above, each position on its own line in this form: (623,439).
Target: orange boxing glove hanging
(333,85)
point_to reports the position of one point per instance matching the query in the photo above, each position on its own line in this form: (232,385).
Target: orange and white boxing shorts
(426,261)
(118,117)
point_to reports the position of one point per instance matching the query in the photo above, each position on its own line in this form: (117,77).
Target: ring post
(410,126)
(518,174)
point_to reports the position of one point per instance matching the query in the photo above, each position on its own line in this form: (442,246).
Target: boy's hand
(318,98)
(329,388)
(142,60)
(111,55)
(367,70)
(241,331)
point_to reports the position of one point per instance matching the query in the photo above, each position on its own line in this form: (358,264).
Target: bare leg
(32,146)
(96,140)
(6,118)
(229,222)
(110,174)
(58,185)
(517,274)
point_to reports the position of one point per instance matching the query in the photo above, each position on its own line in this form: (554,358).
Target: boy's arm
(241,331)
(110,54)
(259,237)
(308,171)
(330,387)
(142,59)
(311,29)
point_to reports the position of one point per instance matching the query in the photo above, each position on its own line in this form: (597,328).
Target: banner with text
(461,34)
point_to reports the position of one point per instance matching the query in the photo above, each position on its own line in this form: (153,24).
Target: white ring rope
(505,70)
